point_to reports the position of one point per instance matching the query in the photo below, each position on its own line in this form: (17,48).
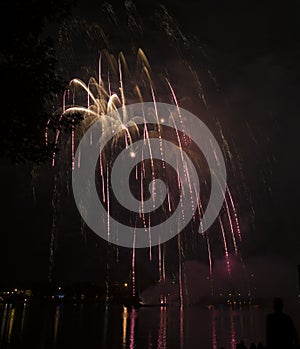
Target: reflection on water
(181,328)
(232,330)
(132,328)
(125,316)
(106,327)
(56,321)
(213,330)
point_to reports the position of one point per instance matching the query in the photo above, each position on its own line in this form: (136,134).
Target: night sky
(253,51)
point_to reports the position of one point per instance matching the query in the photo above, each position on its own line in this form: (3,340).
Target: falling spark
(102,104)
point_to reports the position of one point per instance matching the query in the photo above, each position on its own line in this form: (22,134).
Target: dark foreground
(96,326)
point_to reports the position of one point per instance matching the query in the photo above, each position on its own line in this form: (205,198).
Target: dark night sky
(254,52)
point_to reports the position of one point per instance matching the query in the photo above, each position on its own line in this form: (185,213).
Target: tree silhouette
(29,78)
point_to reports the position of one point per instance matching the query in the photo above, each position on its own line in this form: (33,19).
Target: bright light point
(126,284)
(162,120)
(132,154)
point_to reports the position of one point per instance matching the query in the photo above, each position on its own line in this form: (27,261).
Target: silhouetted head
(277,305)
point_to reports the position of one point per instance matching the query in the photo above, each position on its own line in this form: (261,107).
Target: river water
(114,327)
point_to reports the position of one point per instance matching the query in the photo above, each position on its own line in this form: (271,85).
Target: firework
(104,100)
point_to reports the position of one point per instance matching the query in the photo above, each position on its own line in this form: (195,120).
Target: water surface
(67,326)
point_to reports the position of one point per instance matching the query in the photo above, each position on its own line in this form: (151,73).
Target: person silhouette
(280,329)
(241,345)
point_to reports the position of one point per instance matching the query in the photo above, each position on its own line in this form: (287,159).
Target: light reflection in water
(23,318)
(132,329)
(7,323)
(232,328)
(57,317)
(151,328)
(213,329)
(162,333)
(181,328)
(10,323)
(125,316)
(4,322)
